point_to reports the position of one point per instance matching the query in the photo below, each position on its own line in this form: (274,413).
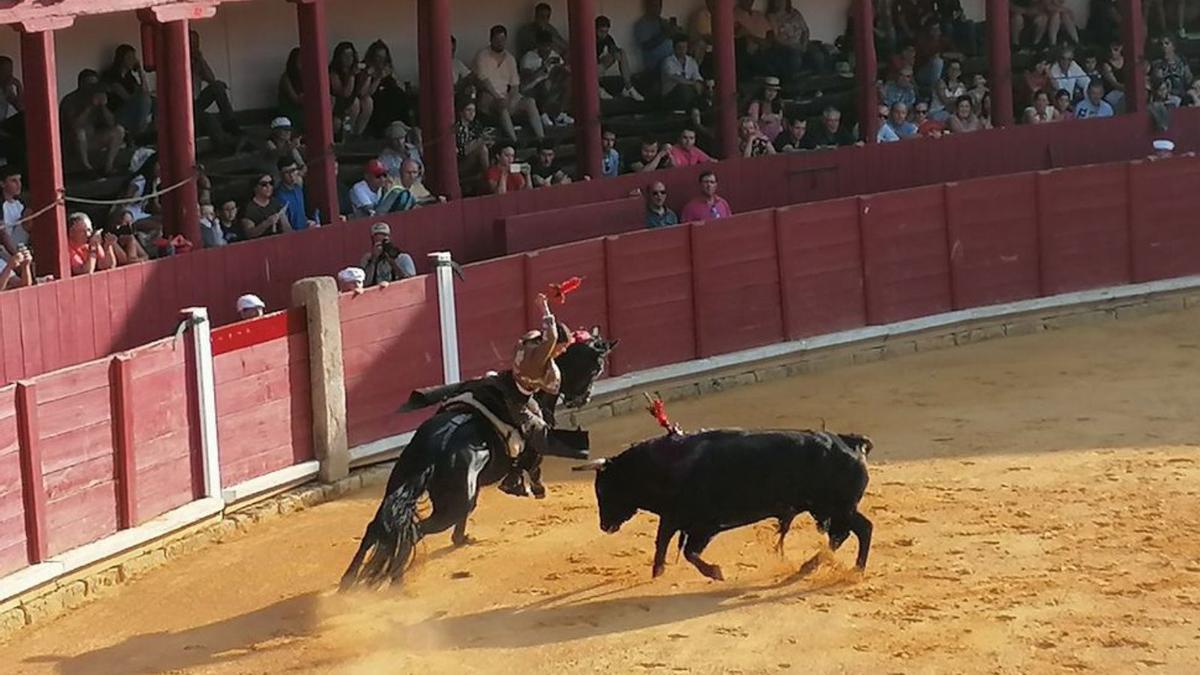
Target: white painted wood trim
(271,482)
(207,395)
(447,316)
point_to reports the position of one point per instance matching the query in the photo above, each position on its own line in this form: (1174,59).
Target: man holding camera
(385,263)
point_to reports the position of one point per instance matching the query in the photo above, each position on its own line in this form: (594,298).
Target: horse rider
(534,371)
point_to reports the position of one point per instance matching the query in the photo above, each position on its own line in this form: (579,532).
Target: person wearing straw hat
(767,109)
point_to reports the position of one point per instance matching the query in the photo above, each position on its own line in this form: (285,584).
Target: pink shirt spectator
(681,157)
(700,209)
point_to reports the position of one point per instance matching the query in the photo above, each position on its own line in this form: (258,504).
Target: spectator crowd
(513,94)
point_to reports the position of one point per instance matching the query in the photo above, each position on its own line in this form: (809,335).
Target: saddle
(514,442)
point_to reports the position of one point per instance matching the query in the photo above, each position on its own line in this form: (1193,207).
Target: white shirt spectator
(1073,80)
(672,68)
(460,71)
(502,73)
(363,198)
(13,211)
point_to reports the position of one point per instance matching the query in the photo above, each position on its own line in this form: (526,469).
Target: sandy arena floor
(1036,510)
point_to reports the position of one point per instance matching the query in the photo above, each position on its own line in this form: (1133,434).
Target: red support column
(33,487)
(176,130)
(120,379)
(1133,28)
(437,97)
(866,66)
(321,181)
(585,83)
(725,59)
(1000,62)
(45,179)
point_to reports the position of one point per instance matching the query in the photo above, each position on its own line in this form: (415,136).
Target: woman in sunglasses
(264,213)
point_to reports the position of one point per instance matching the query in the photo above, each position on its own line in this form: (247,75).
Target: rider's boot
(514,482)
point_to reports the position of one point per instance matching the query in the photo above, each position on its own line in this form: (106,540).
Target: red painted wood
(257,331)
(585,307)
(181,207)
(585,83)
(390,345)
(993,240)
(725,62)
(491,314)
(737,283)
(438,81)
(866,67)
(1133,34)
(1165,239)
(45,180)
(532,231)
(33,489)
(122,427)
(13,550)
(1083,224)
(820,257)
(321,180)
(907,269)
(650,291)
(1000,62)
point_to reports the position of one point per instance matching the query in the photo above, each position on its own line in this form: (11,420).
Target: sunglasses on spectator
(266,183)
(922,111)
(658,192)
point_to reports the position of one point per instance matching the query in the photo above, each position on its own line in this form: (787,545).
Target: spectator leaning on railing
(17,271)
(90,250)
(708,205)
(351,280)
(658,214)
(250,306)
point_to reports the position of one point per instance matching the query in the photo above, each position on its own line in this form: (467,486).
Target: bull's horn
(594,465)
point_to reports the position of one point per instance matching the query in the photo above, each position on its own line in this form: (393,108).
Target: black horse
(450,456)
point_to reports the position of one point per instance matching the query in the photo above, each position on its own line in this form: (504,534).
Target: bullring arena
(1034,498)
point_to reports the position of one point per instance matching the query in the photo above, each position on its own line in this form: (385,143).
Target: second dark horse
(450,456)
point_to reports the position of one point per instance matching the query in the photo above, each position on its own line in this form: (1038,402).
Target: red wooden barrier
(13,552)
(121,385)
(820,258)
(1163,221)
(533,231)
(650,298)
(1083,221)
(584,308)
(905,260)
(87,317)
(165,441)
(492,314)
(33,485)
(993,235)
(391,344)
(76,437)
(736,282)
(264,411)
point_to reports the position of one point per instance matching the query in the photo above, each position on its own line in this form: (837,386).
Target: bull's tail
(389,544)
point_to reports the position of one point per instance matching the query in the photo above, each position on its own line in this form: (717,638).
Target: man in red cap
(534,371)
(366,193)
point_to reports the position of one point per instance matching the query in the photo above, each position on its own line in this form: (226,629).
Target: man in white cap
(1163,149)
(250,306)
(282,144)
(350,280)
(384,262)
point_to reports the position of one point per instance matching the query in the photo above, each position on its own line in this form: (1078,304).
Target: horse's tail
(391,537)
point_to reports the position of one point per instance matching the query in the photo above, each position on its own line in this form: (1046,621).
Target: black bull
(705,483)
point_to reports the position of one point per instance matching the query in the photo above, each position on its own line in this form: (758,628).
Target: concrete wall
(247,43)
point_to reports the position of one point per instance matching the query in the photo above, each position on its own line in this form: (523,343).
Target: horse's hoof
(539,491)
(657,571)
(465,540)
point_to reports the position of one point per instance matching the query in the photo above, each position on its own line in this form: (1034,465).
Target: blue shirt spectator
(653,34)
(897,127)
(657,212)
(291,193)
(611,160)
(1094,105)
(900,90)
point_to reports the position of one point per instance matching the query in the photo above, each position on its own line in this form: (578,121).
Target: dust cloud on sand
(1034,499)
